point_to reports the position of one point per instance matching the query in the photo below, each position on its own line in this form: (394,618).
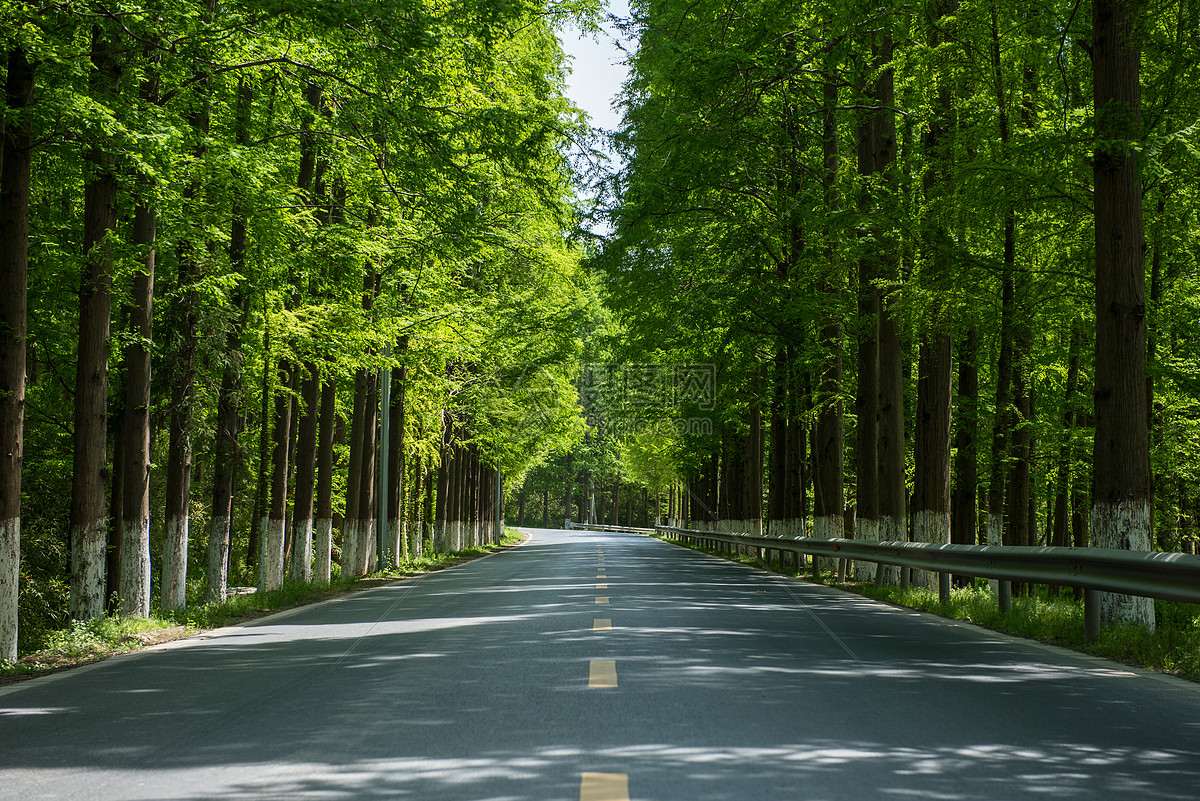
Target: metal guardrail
(1170,576)
(623,529)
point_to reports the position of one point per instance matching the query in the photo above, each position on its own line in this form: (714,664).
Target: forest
(940,257)
(233,233)
(296,291)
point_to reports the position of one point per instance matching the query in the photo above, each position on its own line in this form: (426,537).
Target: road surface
(600,667)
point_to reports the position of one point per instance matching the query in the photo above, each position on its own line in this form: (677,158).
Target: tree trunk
(891,450)
(1154,318)
(229,401)
(874,146)
(368,487)
(262,481)
(395,489)
(354,476)
(964,516)
(931,484)
(88,526)
(776,468)
(134,534)
(829,499)
(300,567)
(569,485)
(16,156)
(1121,463)
(179,459)
(427,514)
(443,487)
(1063,484)
(271,562)
(179,454)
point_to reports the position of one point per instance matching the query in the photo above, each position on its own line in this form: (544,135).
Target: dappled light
(471,684)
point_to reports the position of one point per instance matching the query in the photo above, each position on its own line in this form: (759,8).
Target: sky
(597,73)
(596,77)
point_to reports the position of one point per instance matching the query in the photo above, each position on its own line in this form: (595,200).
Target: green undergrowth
(1173,647)
(89,641)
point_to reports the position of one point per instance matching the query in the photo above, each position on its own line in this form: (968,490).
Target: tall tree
(829,494)
(16,157)
(1121,463)
(88,524)
(931,478)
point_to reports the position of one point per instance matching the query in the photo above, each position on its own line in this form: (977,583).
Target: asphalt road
(508,679)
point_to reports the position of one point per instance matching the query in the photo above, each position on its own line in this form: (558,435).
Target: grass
(89,641)
(1173,647)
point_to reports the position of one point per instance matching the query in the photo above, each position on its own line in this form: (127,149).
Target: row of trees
(909,240)
(232,233)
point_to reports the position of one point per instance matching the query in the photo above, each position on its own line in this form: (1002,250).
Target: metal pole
(1091,615)
(385,427)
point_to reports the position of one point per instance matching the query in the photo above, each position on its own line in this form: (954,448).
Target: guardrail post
(1004,594)
(905,572)
(944,587)
(1091,615)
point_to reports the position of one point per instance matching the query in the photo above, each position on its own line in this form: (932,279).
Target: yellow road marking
(602,624)
(601,599)
(604,787)
(603,673)
(601,575)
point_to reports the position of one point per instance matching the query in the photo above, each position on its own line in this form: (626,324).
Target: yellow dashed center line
(603,673)
(604,787)
(602,586)
(602,624)
(601,599)
(601,575)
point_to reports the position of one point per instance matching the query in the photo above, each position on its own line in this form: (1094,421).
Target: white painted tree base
(993,531)
(218,560)
(868,531)
(10,567)
(134,584)
(930,526)
(323,545)
(1124,525)
(366,548)
(300,567)
(270,575)
(828,527)
(891,529)
(174,571)
(349,559)
(87,569)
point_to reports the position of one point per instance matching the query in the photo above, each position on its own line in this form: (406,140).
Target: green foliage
(399,172)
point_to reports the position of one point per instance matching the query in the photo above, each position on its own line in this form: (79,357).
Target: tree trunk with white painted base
(300,568)
(1121,455)
(323,523)
(230,399)
(88,520)
(15,171)
(368,483)
(270,574)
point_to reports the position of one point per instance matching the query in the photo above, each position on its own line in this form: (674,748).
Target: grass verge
(93,640)
(1173,647)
